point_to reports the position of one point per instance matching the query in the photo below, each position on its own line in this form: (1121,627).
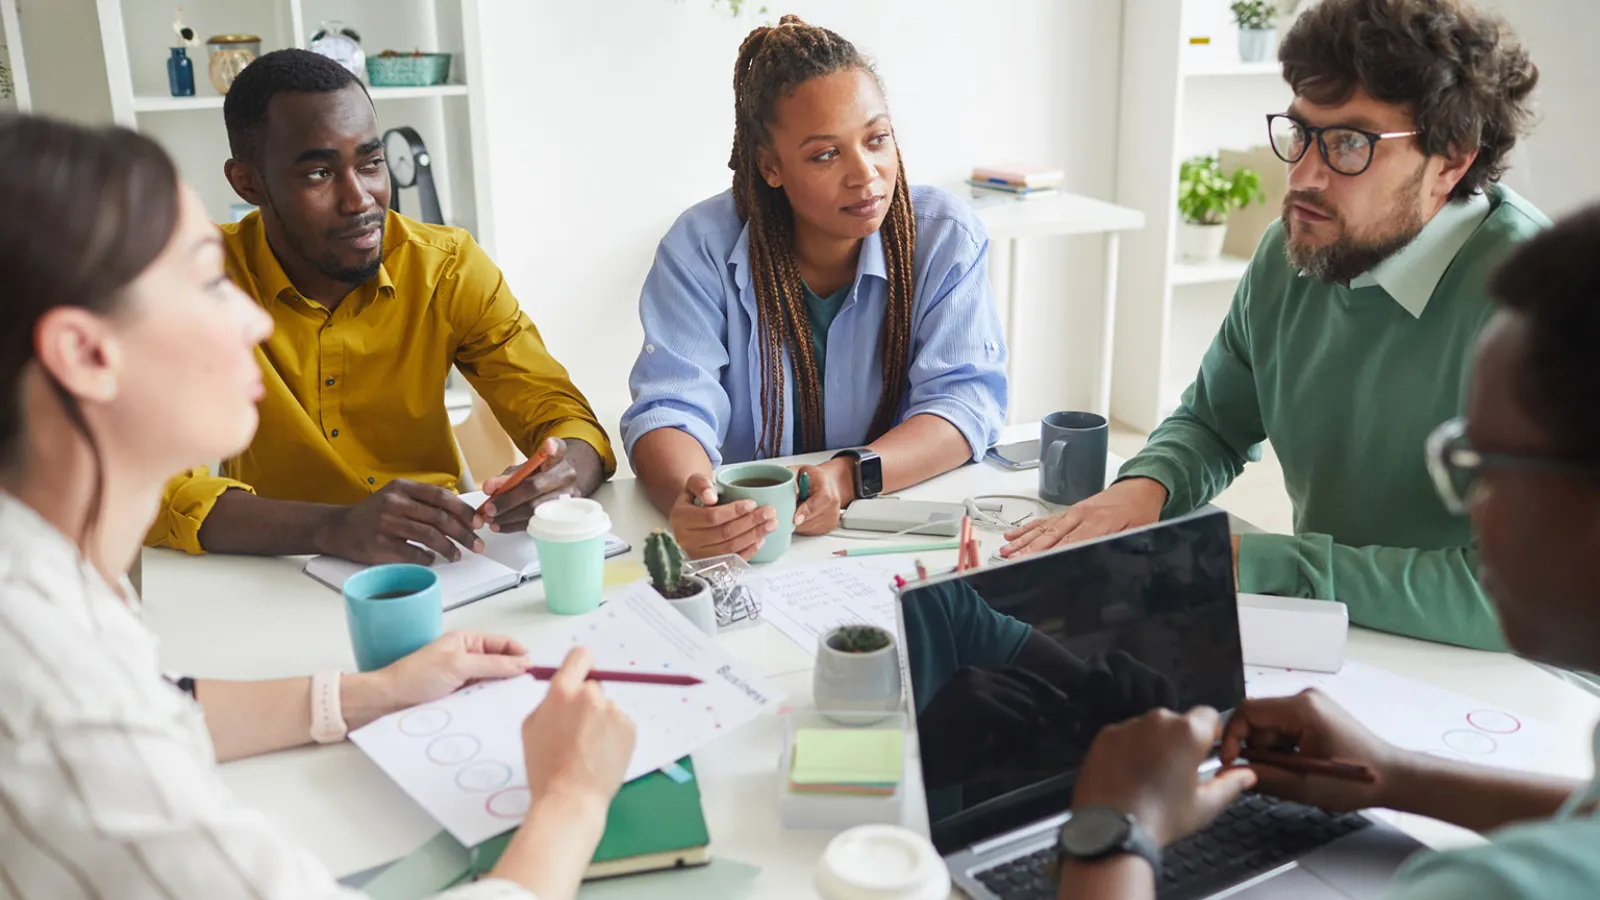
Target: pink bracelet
(327,719)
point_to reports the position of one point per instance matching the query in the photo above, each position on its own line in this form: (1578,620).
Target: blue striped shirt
(700,368)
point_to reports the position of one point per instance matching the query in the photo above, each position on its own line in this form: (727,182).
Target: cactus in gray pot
(663,558)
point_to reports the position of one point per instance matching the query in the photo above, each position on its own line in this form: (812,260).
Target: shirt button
(649,348)
(372,481)
(329,382)
(336,432)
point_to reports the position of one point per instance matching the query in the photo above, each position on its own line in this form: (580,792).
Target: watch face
(1094,831)
(871,476)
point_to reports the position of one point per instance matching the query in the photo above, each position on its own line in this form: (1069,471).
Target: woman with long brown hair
(125,356)
(823,303)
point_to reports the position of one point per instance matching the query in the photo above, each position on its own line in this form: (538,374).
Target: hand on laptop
(380,528)
(1147,768)
(1311,723)
(978,710)
(511,511)
(1126,504)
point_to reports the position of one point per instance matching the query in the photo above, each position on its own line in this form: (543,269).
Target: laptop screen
(1014,669)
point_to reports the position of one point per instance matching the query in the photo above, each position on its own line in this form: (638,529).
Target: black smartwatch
(1099,832)
(868,471)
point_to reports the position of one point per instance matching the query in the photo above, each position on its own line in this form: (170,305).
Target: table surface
(243,617)
(1058,214)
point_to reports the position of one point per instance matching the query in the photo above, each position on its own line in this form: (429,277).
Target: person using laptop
(1348,337)
(355,456)
(1525,465)
(823,303)
(125,353)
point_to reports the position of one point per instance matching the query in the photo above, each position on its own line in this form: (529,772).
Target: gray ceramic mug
(1072,456)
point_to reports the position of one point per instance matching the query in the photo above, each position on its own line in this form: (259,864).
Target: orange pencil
(966,538)
(522,473)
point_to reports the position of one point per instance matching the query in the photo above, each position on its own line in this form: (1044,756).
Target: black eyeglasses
(1346,150)
(1457,469)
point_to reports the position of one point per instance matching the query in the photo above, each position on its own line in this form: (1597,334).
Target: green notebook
(654,823)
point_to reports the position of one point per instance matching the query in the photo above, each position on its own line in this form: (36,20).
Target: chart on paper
(461,757)
(806,602)
(1418,716)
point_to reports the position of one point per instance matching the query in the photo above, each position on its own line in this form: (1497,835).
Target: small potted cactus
(689,595)
(857,672)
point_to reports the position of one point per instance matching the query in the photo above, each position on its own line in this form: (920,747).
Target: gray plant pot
(1257,44)
(856,682)
(698,607)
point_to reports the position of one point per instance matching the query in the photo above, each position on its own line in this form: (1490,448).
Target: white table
(1061,215)
(237,617)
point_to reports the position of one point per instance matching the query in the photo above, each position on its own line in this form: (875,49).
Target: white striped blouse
(108,780)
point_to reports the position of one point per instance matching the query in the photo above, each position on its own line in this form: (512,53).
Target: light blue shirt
(1558,859)
(700,368)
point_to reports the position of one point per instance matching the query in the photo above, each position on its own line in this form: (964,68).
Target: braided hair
(773,61)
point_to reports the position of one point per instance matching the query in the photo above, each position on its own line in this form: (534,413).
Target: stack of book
(858,761)
(1018,180)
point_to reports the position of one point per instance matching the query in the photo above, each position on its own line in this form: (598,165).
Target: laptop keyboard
(1254,835)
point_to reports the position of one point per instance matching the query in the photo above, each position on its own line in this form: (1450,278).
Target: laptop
(1131,621)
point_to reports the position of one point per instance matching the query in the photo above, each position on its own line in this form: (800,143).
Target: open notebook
(507,560)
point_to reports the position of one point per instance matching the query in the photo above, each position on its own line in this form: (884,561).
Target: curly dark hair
(1554,281)
(244,110)
(1461,72)
(773,61)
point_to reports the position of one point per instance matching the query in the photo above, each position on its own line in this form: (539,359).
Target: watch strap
(1136,841)
(327,717)
(857,456)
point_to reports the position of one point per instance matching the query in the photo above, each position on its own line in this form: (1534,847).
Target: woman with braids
(126,354)
(823,303)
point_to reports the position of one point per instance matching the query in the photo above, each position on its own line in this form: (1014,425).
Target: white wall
(1555,167)
(607,120)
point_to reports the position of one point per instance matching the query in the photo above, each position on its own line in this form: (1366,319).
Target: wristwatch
(867,471)
(1098,832)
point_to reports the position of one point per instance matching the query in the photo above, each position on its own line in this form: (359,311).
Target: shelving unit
(135,35)
(1179,100)
(11,36)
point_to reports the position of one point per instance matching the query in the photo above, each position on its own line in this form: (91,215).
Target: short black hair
(1554,281)
(281,71)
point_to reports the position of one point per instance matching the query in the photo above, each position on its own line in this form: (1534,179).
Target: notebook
(507,560)
(654,823)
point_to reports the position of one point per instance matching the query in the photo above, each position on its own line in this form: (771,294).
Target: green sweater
(1347,384)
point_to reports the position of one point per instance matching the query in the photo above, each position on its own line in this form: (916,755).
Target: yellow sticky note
(619,572)
(848,756)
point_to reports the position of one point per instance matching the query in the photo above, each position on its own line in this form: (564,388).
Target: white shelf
(1226,269)
(158,103)
(1211,70)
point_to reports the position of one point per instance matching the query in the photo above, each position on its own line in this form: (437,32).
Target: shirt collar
(872,260)
(1411,275)
(274,284)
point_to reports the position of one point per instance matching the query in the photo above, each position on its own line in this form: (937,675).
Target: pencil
(522,473)
(898,548)
(966,539)
(545,673)
(1310,765)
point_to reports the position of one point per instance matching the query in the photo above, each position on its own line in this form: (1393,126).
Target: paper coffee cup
(571,536)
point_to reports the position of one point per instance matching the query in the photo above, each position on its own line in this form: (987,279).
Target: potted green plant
(1205,198)
(857,672)
(689,595)
(1258,33)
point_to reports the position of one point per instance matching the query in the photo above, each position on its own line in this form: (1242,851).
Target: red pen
(545,673)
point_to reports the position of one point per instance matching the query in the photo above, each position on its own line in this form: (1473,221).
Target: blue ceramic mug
(393,611)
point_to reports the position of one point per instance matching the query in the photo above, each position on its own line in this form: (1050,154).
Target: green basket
(408,70)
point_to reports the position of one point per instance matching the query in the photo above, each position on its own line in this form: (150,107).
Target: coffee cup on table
(571,536)
(769,485)
(1072,456)
(392,611)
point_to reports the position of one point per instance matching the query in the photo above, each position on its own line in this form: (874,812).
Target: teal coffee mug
(393,611)
(768,484)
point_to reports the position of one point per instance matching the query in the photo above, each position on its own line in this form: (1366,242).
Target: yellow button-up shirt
(355,397)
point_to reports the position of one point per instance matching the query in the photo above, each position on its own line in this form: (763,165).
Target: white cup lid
(882,862)
(569,519)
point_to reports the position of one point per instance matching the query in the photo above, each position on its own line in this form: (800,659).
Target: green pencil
(899,548)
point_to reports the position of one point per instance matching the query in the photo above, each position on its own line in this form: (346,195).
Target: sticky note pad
(838,756)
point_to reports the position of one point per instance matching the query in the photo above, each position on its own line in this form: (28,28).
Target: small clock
(342,45)
(411,166)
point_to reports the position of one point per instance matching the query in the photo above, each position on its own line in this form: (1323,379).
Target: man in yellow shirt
(355,455)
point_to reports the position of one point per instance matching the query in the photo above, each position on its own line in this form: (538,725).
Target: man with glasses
(1525,465)
(1348,337)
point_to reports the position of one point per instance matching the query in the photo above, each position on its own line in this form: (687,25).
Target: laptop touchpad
(1295,884)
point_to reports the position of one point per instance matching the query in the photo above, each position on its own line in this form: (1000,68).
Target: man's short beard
(328,264)
(1350,255)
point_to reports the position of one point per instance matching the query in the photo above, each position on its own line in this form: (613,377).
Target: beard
(1352,254)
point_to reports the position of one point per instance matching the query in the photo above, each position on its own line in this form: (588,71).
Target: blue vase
(180,73)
